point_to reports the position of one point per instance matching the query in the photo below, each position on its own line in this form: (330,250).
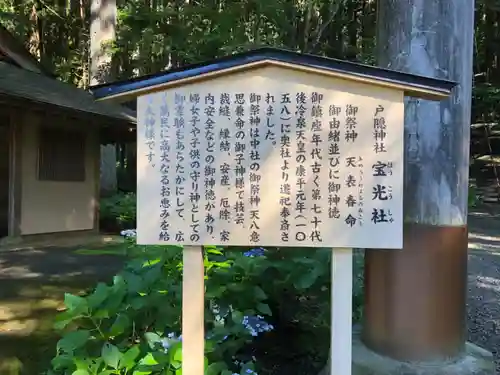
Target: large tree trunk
(102,33)
(423,287)
(415,298)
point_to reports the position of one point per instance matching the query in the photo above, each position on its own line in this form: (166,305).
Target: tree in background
(155,35)
(102,37)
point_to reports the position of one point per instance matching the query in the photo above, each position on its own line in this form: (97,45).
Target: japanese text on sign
(262,163)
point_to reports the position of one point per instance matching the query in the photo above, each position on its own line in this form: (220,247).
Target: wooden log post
(415,298)
(193,311)
(341,312)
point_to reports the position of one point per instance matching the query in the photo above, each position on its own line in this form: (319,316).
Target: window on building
(61,155)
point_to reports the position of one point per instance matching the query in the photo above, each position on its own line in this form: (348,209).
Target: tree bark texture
(435,39)
(415,297)
(102,33)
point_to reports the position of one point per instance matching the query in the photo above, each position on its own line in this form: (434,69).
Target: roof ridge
(414,85)
(21,83)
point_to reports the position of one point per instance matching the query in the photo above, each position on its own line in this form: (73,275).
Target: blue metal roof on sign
(414,85)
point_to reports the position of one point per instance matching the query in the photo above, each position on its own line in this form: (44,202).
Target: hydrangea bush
(118,211)
(132,325)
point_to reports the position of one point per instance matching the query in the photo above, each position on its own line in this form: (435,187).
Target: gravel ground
(483,306)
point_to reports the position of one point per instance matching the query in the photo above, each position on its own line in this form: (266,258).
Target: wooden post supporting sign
(341,312)
(193,311)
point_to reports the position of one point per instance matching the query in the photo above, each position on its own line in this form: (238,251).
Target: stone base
(475,361)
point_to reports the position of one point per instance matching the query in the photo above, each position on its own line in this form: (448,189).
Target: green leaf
(178,353)
(148,360)
(236,316)
(264,309)
(64,318)
(305,260)
(76,304)
(216,291)
(119,326)
(225,264)
(62,361)
(82,363)
(101,314)
(307,279)
(215,368)
(118,283)
(175,355)
(246,368)
(176,364)
(210,346)
(98,296)
(138,303)
(96,364)
(134,282)
(161,357)
(73,340)
(152,275)
(128,358)
(153,339)
(81,372)
(212,249)
(259,293)
(113,302)
(236,287)
(111,355)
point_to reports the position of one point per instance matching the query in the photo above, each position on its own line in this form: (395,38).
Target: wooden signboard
(275,158)
(271,158)
(271,148)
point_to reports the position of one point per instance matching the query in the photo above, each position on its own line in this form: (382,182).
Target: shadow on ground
(55,263)
(32,287)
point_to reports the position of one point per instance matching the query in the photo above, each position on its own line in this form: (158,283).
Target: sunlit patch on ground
(475,236)
(32,287)
(488,283)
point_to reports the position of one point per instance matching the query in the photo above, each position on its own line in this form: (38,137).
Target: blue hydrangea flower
(256,325)
(170,339)
(247,371)
(256,252)
(211,335)
(129,233)
(165,343)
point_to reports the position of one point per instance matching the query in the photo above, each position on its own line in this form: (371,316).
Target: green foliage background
(158,34)
(153,35)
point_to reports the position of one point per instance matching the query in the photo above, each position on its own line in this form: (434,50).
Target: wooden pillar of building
(16,122)
(415,298)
